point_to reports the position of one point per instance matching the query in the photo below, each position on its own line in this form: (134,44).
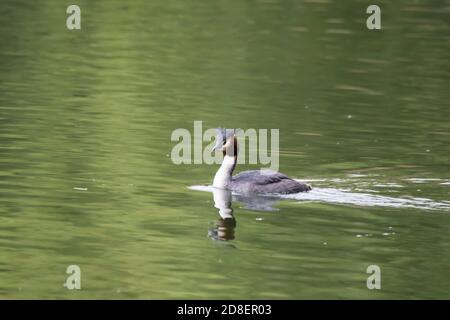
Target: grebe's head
(226,141)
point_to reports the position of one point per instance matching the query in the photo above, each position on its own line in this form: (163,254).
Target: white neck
(223,175)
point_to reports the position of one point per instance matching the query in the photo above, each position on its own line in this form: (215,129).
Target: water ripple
(365,199)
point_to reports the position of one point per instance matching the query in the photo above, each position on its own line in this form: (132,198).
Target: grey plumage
(254,181)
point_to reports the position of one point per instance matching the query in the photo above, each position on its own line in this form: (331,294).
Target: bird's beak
(222,147)
(223,139)
(219,145)
(219,140)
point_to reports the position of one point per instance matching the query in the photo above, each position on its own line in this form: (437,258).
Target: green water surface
(86,176)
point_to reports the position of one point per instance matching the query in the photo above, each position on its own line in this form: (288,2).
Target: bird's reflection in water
(224,227)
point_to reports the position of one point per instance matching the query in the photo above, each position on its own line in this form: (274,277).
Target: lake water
(86,176)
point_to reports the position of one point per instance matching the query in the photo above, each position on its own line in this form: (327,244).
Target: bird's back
(257,181)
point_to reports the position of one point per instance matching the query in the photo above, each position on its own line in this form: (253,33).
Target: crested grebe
(253,181)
